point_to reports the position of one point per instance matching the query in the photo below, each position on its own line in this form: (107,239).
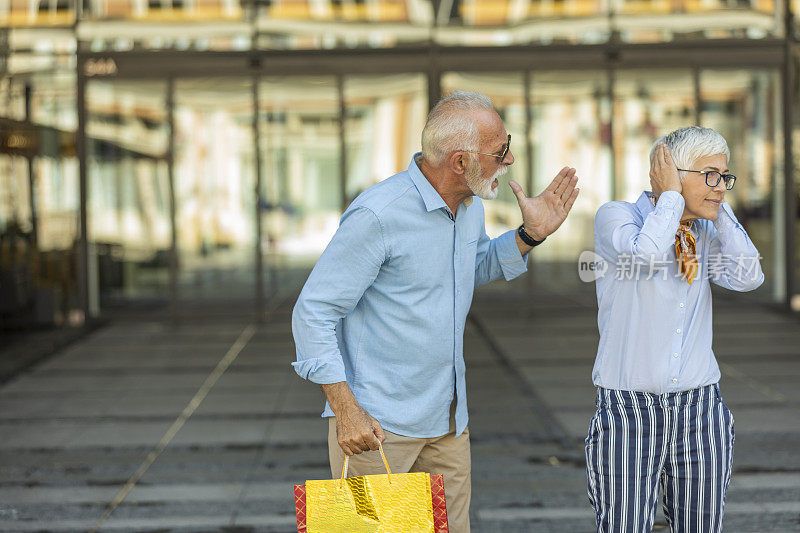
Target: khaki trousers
(447,455)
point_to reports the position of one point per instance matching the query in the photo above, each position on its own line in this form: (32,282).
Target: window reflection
(571,115)
(647,105)
(301,194)
(385,117)
(744,106)
(39,207)
(214,185)
(127,183)
(508,95)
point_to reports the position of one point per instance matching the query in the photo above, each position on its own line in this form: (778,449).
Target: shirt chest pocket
(469,249)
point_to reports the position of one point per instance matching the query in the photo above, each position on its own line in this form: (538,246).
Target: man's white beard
(482,188)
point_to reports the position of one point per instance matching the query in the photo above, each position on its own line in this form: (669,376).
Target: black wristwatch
(527,239)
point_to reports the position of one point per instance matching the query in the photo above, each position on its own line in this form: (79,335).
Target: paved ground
(75,428)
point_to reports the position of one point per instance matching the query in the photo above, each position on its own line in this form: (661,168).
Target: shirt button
(681,304)
(678,330)
(674,380)
(674,355)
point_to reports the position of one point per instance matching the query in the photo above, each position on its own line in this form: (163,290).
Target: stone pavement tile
(135,357)
(758,519)
(45,434)
(238,403)
(525,522)
(499,423)
(223,432)
(767,369)
(776,419)
(301,432)
(496,400)
(575,422)
(177,513)
(765,347)
(115,433)
(82,467)
(787,387)
(756,482)
(738,392)
(19,496)
(29,406)
(157,404)
(568,396)
(199,465)
(766,452)
(526,348)
(252,379)
(554,375)
(115,382)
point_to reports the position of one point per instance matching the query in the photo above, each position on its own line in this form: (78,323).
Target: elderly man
(660,417)
(380,321)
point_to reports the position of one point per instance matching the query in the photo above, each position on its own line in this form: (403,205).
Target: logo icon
(591,266)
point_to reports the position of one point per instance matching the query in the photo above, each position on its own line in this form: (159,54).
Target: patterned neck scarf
(685,250)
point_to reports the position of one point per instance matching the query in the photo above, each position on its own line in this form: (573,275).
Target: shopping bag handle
(385,463)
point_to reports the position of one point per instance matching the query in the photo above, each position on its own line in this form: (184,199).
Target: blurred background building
(195,150)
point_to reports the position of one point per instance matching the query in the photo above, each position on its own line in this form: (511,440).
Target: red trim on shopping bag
(300,507)
(439,504)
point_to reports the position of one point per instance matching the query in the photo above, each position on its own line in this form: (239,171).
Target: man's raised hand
(543,214)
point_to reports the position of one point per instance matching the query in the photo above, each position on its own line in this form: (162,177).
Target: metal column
(258,250)
(698,97)
(788,74)
(31,175)
(83,238)
(342,142)
(529,153)
(173,249)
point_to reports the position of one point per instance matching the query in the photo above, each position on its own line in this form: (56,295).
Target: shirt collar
(429,195)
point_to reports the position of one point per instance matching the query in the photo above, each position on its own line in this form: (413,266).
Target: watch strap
(527,239)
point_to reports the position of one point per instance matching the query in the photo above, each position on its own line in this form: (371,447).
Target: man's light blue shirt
(655,328)
(385,306)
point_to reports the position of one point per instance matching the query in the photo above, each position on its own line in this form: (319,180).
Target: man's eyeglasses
(501,157)
(713,177)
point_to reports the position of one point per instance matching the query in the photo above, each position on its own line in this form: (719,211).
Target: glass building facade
(192,150)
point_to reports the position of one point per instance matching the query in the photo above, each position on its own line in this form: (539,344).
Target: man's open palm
(543,214)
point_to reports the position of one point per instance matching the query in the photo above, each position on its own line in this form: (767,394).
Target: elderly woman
(660,418)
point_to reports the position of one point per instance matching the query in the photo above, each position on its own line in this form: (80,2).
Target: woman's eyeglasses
(713,178)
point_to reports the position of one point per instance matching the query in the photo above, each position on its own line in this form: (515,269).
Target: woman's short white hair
(689,144)
(451,125)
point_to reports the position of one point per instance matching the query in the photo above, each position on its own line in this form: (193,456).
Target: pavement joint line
(250,478)
(556,431)
(194,403)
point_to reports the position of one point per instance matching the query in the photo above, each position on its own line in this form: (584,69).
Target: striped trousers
(679,442)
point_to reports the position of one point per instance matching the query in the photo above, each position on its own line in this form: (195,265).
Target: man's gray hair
(691,143)
(451,126)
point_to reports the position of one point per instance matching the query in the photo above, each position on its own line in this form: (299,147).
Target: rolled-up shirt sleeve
(499,258)
(347,267)
(619,236)
(733,261)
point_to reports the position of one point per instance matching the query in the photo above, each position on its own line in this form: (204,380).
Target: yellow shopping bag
(383,503)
